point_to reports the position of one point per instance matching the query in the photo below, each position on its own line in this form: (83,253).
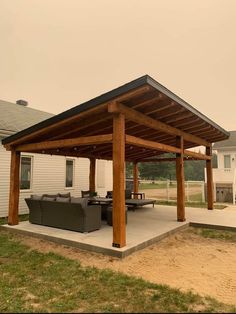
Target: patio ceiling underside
(98,121)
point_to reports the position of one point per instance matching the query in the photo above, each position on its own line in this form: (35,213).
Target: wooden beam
(180,180)
(150,144)
(86,140)
(92,175)
(165,159)
(133,93)
(118,212)
(196,155)
(135,178)
(210,191)
(14,188)
(142,119)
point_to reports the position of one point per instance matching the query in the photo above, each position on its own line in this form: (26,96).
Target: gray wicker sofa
(64,212)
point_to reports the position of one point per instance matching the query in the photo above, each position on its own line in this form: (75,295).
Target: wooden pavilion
(136,122)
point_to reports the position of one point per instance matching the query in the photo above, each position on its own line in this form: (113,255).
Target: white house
(224,175)
(42,173)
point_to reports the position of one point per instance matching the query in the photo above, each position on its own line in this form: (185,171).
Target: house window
(69,173)
(26,173)
(227,161)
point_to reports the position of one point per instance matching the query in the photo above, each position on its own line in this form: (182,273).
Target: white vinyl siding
(101,165)
(49,177)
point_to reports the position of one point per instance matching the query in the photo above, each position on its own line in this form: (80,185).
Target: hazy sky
(60,53)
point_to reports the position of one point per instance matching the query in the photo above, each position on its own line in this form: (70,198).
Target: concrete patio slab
(145,226)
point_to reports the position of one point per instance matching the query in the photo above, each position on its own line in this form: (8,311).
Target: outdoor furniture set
(82,214)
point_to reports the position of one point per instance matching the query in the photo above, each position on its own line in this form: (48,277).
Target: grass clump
(224,235)
(191,204)
(37,282)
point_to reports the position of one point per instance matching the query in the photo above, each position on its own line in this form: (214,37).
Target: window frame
(229,156)
(73,174)
(31,157)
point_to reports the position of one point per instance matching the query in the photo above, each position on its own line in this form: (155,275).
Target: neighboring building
(43,173)
(225,175)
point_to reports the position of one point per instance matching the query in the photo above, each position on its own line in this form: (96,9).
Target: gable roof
(14,117)
(230,142)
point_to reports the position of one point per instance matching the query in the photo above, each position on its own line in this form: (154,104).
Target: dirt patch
(185,260)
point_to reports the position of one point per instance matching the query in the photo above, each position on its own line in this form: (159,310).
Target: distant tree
(193,169)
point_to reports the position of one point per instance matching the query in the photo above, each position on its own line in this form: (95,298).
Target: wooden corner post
(14,192)
(118,212)
(180,180)
(92,175)
(135,178)
(210,192)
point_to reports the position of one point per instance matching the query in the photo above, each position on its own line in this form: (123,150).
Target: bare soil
(185,260)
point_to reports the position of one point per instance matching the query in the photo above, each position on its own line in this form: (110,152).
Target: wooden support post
(92,175)
(119,232)
(135,178)
(14,192)
(180,180)
(210,192)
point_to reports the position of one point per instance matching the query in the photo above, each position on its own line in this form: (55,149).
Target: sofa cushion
(63,199)
(36,197)
(51,195)
(79,200)
(66,195)
(47,198)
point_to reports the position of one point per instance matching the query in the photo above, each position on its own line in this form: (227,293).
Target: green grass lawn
(190,204)
(224,235)
(147,186)
(162,185)
(3,221)
(36,282)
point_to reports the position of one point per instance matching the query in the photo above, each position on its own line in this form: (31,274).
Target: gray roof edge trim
(183,103)
(107,96)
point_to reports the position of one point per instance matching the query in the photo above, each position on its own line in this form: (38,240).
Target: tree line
(193,169)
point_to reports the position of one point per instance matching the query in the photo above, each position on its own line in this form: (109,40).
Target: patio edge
(93,248)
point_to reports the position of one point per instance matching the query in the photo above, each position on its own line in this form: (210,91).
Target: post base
(117,245)
(181,219)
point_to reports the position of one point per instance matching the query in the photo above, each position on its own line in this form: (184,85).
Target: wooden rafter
(134,115)
(132,140)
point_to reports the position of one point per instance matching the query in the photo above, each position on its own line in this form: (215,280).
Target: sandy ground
(185,260)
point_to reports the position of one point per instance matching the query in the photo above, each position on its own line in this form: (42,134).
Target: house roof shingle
(14,117)
(230,142)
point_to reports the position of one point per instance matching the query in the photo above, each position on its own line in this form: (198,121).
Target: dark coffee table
(103,202)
